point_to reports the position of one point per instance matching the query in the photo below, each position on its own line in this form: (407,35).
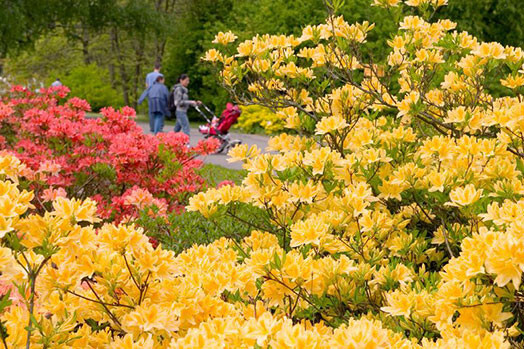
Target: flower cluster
(69,154)
(399,198)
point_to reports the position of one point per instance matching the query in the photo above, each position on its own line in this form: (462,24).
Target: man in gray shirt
(150,80)
(151,77)
(57,82)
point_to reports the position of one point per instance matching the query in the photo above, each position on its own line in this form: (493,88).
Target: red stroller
(219,127)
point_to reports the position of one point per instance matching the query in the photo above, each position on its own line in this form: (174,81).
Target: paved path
(219,159)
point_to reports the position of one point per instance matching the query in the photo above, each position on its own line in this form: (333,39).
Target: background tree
(125,38)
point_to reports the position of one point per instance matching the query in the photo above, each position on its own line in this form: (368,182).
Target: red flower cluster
(107,158)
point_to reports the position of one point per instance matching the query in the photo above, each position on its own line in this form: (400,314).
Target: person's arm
(143,96)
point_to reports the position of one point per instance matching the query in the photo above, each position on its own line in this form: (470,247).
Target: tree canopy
(124,38)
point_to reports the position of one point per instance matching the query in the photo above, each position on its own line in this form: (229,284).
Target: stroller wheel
(222,146)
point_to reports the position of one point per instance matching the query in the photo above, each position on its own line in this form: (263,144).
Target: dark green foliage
(22,20)
(489,20)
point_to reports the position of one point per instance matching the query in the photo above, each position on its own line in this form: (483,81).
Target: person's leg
(178,126)
(157,125)
(184,121)
(151,120)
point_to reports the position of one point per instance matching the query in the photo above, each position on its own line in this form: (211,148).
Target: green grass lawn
(214,174)
(181,231)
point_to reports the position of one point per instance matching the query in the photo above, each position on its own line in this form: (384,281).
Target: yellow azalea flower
(464,196)
(386,3)
(491,50)
(242,152)
(11,270)
(127,342)
(457,115)
(513,82)
(412,23)
(149,317)
(224,38)
(399,304)
(213,55)
(11,167)
(415,3)
(245,48)
(505,260)
(436,181)
(305,193)
(389,190)
(402,274)
(203,203)
(406,104)
(76,209)
(308,232)
(260,65)
(5,226)
(330,124)
(396,58)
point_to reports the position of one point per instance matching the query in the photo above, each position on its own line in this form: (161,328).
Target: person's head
(57,79)
(183,80)
(157,66)
(160,79)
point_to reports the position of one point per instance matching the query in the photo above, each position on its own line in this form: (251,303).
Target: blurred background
(102,49)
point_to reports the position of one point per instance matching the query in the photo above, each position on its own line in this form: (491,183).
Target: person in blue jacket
(157,95)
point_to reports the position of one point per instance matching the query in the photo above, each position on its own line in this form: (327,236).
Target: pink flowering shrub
(108,159)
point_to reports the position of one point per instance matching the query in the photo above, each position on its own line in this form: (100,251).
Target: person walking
(157,95)
(151,77)
(182,103)
(150,80)
(57,82)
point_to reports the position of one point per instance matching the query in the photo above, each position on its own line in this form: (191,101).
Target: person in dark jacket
(182,103)
(157,95)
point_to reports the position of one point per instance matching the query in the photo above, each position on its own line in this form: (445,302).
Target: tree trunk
(85,45)
(123,73)
(158,55)
(139,52)
(160,41)
(112,77)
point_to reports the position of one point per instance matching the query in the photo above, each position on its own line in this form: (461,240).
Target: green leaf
(5,301)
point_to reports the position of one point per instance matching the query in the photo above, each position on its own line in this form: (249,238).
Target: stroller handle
(204,114)
(208,110)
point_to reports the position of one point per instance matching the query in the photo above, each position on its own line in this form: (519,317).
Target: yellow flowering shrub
(400,199)
(69,283)
(255,117)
